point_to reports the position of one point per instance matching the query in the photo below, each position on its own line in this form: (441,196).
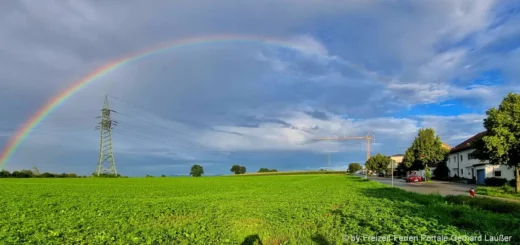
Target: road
(442,187)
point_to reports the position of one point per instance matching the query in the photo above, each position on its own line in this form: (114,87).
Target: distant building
(462,164)
(397,159)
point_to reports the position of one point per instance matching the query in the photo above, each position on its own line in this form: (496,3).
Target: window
(460,157)
(471,156)
(454,158)
(498,173)
(461,172)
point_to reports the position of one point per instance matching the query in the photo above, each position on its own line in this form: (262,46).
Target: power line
(164,137)
(172,141)
(182,140)
(154,140)
(169,129)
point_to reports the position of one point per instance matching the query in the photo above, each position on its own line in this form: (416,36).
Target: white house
(396,160)
(462,164)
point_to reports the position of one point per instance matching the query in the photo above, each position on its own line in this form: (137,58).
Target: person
(472,192)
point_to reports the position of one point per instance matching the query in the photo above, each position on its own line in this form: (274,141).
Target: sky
(349,68)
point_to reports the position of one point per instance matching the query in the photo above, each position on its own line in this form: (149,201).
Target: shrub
(512,183)
(494,181)
(507,189)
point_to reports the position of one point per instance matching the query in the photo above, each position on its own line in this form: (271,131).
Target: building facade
(396,160)
(461,163)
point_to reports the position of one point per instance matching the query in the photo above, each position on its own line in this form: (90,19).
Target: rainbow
(22,133)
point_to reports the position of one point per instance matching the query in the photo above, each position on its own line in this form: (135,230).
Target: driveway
(442,187)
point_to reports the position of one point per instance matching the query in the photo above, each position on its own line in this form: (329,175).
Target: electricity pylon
(106,162)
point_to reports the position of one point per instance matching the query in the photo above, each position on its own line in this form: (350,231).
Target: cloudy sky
(347,68)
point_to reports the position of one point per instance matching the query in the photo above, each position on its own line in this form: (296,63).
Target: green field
(301,209)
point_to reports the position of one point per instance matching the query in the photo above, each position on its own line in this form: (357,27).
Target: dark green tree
(47,175)
(235,169)
(354,167)
(378,163)
(196,170)
(242,169)
(426,149)
(5,174)
(265,170)
(501,143)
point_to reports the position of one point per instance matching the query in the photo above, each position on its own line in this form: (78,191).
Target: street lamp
(392,162)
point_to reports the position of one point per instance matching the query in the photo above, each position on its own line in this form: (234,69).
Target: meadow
(287,209)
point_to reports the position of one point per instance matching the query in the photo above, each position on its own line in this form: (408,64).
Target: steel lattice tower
(106,163)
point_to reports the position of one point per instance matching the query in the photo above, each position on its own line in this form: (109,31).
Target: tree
(426,149)
(427,173)
(5,174)
(378,162)
(196,170)
(265,170)
(235,169)
(501,143)
(354,167)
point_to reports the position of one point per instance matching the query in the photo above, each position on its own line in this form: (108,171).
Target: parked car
(381,175)
(414,178)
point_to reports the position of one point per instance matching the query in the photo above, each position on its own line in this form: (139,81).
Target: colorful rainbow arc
(22,133)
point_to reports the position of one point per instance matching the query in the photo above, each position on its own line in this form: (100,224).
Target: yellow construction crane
(369,137)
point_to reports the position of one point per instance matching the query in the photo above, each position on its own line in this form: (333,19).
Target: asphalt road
(442,187)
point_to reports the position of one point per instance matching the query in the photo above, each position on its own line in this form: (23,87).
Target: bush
(494,181)
(507,189)
(512,183)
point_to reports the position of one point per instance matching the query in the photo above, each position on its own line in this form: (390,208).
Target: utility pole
(368,138)
(392,172)
(106,162)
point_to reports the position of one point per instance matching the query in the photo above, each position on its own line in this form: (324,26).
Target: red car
(414,178)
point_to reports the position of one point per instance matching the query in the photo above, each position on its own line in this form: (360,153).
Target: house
(461,163)
(396,160)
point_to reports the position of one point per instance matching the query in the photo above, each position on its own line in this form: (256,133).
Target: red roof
(467,143)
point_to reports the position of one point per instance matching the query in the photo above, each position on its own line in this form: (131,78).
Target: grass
(288,209)
(504,192)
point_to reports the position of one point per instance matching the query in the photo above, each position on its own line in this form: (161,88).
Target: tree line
(26,173)
(197,170)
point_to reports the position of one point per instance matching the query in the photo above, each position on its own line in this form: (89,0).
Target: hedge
(494,181)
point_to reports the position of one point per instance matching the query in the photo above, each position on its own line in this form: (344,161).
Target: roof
(397,155)
(446,146)
(467,143)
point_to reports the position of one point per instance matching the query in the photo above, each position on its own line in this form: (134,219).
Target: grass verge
(504,192)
